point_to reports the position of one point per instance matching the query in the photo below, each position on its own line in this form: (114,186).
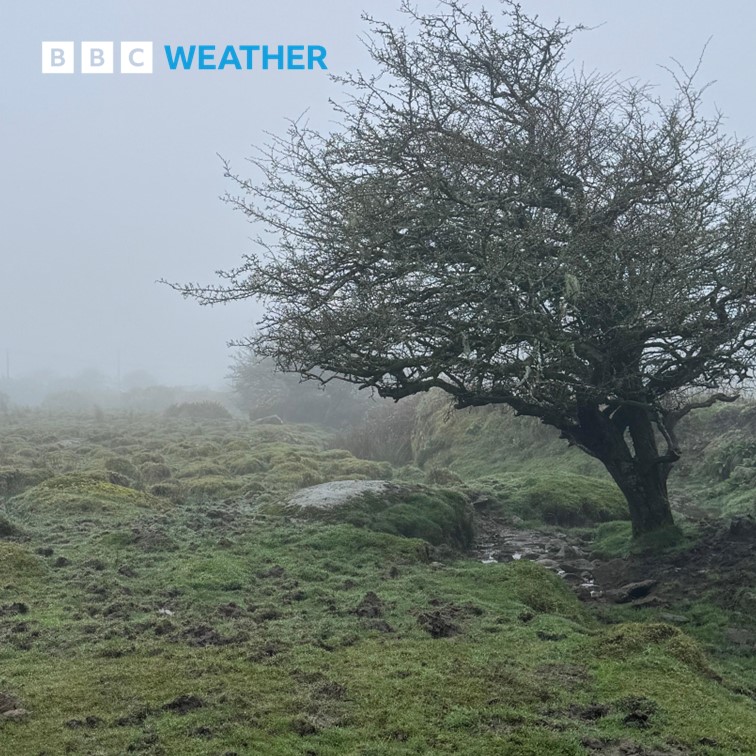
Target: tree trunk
(634,463)
(646,495)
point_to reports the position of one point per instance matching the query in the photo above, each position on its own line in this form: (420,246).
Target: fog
(109,183)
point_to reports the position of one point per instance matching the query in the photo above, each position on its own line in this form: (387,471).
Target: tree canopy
(495,222)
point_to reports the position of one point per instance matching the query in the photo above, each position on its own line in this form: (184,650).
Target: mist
(110,183)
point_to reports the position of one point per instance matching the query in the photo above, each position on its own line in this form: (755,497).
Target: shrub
(8,529)
(153,472)
(206,410)
(123,467)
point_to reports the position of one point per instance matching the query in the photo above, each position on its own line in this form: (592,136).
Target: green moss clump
(612,540)
(168,489)
(79,492)
(201,470)
(153,472)
(207,410)
(16,563)
(634,637)
(211,487)
(245,465)
(124,467)
(541,590)
(556,498)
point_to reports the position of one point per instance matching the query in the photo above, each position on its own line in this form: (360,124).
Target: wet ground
(719,564)
(567,556)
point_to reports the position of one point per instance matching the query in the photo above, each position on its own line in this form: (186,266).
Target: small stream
(498,542)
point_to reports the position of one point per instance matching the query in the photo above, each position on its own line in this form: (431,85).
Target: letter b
(57,57)
(97,57)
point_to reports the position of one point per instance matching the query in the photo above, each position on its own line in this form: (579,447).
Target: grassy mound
(541,590)
(436,515)
(14,480)
(83,493)
(16,563)
(631,638)
(557,498)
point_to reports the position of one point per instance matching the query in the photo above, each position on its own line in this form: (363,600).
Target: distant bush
(123,467)
(14,480)
(207,410)
(385,433)
(152,472)
(171,490)
(200,469)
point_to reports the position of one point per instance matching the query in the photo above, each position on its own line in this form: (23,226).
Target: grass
(176,622)
(554,498)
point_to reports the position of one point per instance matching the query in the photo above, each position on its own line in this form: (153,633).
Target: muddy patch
(183,704)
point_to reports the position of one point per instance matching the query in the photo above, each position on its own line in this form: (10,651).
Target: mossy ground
(195,624)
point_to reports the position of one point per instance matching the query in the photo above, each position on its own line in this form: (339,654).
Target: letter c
(131,56)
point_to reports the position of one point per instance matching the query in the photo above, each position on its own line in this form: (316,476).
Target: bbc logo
(96,57)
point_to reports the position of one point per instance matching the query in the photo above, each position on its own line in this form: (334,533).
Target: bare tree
(493,222)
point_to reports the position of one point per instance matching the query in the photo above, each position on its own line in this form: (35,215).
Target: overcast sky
(108,183)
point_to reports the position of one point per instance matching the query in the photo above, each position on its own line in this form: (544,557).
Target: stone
(677,619)
(631,591)
(14,714)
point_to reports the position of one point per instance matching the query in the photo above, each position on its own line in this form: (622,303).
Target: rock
(584,593)
(571,579)
(548,563)
(647,602)
(569,552)
(15,714)
(8,703)
(337,493)
(631,591)
(677,619)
